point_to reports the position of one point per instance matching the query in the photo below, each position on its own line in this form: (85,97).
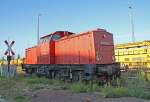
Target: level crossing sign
(9,51)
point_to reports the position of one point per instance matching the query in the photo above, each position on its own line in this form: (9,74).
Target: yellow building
(133,55)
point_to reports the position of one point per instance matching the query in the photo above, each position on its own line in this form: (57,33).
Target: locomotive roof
(83,33)
(71,34)
(92,30)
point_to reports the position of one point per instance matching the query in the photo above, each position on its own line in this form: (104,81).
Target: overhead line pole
(132,23)
(38,28)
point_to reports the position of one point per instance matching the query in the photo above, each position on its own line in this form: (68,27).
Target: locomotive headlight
(104,36)
(98,57)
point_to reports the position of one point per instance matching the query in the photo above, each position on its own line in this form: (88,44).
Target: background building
(133,55)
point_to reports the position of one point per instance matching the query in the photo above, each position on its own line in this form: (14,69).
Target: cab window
(56,37)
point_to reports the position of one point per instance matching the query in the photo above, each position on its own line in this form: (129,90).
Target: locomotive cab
(55,36)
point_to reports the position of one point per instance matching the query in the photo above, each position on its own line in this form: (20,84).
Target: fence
(4,71)
(132,72)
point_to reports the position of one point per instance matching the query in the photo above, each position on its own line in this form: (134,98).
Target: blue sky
(18,19)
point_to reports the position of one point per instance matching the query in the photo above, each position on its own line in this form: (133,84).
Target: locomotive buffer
(9,52)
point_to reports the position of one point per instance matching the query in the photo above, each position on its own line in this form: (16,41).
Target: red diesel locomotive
(66,55)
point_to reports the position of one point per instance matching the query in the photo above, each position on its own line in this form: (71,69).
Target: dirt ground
(64,96)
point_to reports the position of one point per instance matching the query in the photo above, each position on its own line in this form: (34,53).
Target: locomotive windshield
(56,37)
(45,39)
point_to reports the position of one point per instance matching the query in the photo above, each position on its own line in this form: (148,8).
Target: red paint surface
(31,55)
(93,47)
(104,47)
(46,53)
(77,49)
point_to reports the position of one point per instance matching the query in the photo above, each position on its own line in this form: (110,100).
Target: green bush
(125,87)
(116,92)
(137,88)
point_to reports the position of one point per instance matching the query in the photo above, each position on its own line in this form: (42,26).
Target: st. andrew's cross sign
(9,52)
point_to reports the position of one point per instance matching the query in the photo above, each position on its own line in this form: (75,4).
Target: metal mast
(132,23)
(38,28)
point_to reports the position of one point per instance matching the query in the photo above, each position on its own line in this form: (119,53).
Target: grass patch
(37,80)
(21,98)
(82,87)
(79,87)
(125,87)
(111,92)
(21,89)
(117,92)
